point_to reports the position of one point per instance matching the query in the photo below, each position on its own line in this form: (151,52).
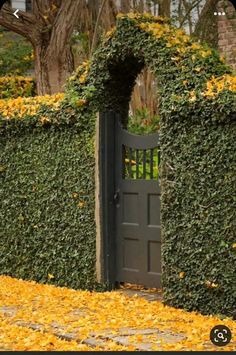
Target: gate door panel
(137,201)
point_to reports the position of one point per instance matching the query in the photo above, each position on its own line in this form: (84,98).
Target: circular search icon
(220,335)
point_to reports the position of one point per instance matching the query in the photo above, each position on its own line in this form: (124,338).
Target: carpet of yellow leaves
(84,312)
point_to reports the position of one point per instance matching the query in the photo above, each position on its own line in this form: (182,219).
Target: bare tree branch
(189,17)
(24,26)
(185,17)
(96,26)
(206,27)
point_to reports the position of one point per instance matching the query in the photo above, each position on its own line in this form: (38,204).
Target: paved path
(120,320)
(122,336)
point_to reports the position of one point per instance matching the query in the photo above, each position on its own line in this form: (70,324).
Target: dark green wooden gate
(132,204)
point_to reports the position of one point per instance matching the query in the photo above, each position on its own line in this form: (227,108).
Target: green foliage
(14,86)
(47,200)
(134,167)
(141,122)
(15,54)
(197,170)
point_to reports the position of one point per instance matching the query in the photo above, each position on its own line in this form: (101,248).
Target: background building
(227,32)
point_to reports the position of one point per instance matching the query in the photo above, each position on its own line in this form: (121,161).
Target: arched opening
(129,204)
(197,125)
(119,85)
(129,247)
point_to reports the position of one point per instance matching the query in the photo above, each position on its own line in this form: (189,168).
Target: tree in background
(196,16)
(48,28)
(65,33)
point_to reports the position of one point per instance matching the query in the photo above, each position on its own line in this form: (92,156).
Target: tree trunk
(49,28)
(125,6)
(164,8)
(52,69)
(206,28)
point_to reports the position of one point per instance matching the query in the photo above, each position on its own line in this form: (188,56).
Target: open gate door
(131,202)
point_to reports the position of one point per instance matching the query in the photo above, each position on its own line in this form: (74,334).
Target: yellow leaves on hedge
(28,106)
(44,120)
(192,96)
(81,102)
(137,16)
(81,72)
(205,53)
(83,77)
(29,57)
(81,204)
(19,79)
(110,33)
(14,86)
(157,29)
(175,38)
(216,85)
(83,313)
(210,284)
(181,274)
(196,46)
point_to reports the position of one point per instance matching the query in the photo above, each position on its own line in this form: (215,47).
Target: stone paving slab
(122,338)
(149,296)
(119,336)
(9,311)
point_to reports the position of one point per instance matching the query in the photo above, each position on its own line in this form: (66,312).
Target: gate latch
(116,196)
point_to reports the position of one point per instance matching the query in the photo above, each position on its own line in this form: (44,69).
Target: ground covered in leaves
(44,317)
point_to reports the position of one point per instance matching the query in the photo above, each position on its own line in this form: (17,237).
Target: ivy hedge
(47,197)
(197,130)
(15,86)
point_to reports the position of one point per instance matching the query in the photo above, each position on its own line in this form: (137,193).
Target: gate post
(105,209)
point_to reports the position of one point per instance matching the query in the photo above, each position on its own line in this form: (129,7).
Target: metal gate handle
(116,196)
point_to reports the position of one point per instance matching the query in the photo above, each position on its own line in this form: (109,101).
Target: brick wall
(227,31)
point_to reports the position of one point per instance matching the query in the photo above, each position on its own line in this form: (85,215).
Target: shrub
(15,86)
(47,192)
(16,54)
(141,122)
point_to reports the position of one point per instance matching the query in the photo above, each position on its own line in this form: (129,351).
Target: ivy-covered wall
(198,214)
(198,126)
(47,198)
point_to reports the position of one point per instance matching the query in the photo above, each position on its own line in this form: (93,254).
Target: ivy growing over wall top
(189,74)
(198,125)
(198,128)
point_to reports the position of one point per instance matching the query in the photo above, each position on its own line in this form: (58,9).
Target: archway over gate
(197,110)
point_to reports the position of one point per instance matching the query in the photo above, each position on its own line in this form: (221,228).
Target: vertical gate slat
(123,162)
(151,164)
(137,164)
(130,162)
(144,163)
